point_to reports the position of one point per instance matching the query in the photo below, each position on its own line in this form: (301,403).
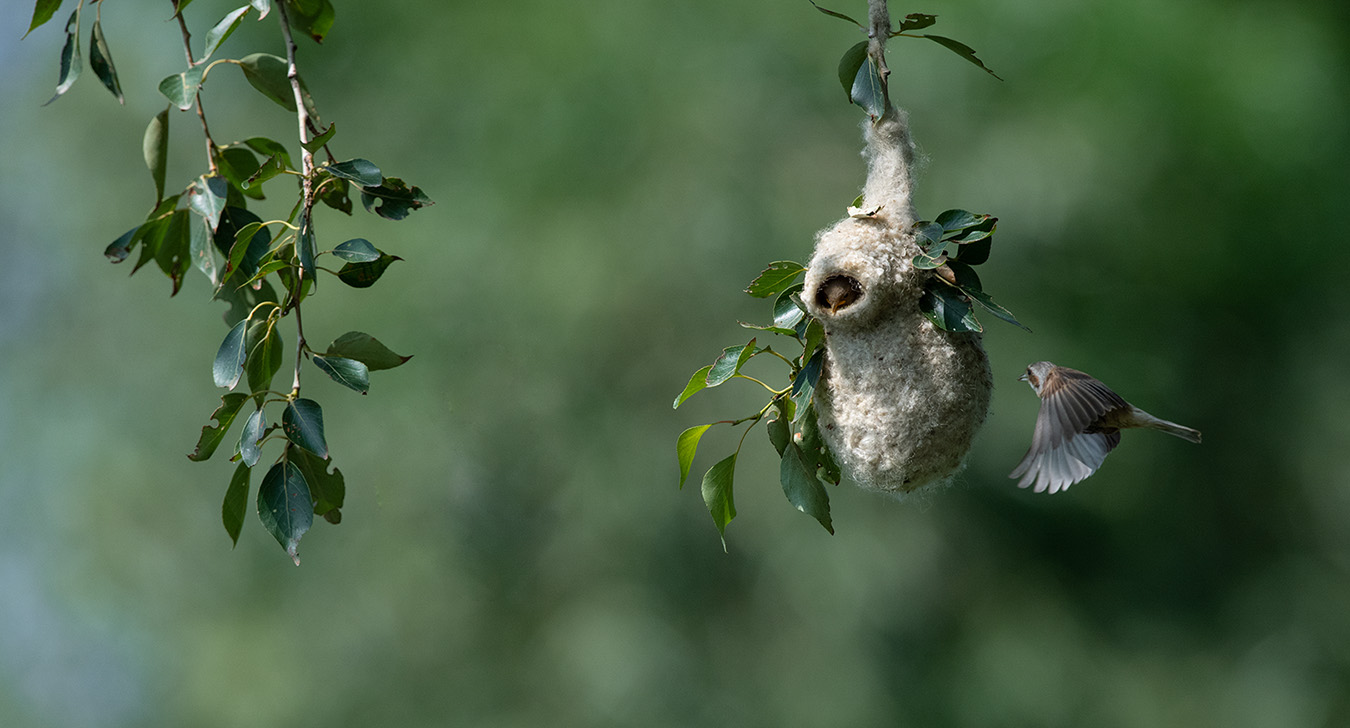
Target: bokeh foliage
(608,177)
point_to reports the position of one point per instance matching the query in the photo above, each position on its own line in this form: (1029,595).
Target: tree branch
(201,114)
(307,182)
(878,32)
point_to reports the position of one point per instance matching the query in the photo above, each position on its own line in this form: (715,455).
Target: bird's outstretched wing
(1065,447)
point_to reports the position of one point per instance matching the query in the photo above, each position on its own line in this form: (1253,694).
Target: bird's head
(1036,374)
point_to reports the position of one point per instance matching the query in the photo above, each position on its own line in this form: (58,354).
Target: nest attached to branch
(900,400)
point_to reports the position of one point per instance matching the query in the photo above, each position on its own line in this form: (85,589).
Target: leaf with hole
(212,436)
(302,422)
(207,197)
(396,199)
(285,506)
(914,21)
(239,165)
(685,448)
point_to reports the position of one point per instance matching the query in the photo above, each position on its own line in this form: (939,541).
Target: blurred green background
(608,175)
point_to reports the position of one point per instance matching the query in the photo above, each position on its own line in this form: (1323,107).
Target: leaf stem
(201,113)
(756,381)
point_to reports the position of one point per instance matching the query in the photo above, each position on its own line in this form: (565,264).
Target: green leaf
(779,426)
(42,12)
(269,148)
(815,336)
(211,437)
(306,251)
(312,17)
(685,448)
(350,373)
(118,250)
(787,313)
(100,59)
(285,506)
(804,384)
(303,424)
(867,90)
(802,488)
(234,507)
(849,65)
(774,279)
(263,6)
(397,199)
(238,165)
(168,243)
(267,73)
(229,362)
(360,171)
(207,196)
(815,453)
(961,49)
(315,144)
(914,21)
(364,275)
(730,362)
(696,384)
(984,299)
(327,490)
(974,253)
(953,220)
(947,308)
(770,328)
(221,31)
(717,494)
(181,88)
(254,428)
(924,262)
(201,250)
(155,146)
(357,250)
(832,13)
(70,56)
(264,345)
(929,237)
(178,6)
(242,237)
(365,349)
(271,167)
(335,193)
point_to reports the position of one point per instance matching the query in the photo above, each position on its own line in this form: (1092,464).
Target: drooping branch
(307,184)
(201,114)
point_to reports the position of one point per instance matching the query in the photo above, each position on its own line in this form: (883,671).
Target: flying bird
(1079,423)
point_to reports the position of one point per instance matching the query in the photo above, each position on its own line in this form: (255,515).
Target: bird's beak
(1022,378)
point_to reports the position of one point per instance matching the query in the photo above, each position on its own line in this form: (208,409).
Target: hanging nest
(900,399)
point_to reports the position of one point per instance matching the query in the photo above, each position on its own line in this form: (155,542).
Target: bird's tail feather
(1176,430)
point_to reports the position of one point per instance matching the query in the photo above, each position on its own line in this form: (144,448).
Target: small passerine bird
(1079,423)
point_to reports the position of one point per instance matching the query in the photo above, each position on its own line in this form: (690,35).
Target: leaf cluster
(262,269)
(952,246)
(789,417)
(862,75)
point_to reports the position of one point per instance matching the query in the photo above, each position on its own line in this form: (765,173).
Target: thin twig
(878,32)
(307,181)
(201,114)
